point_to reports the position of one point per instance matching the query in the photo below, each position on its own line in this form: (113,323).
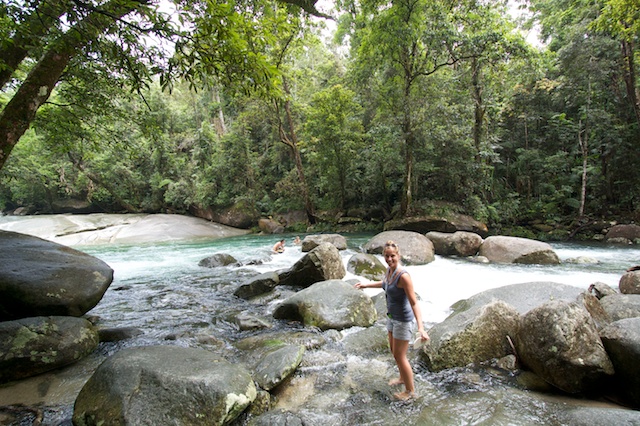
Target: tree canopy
(412,106)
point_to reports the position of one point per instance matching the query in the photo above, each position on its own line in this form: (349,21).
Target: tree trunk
(291,140)
(630,78)
(79,164)
(18,114)
(221,127)
(28,36)
(584,149)
(479,111)
(409,146)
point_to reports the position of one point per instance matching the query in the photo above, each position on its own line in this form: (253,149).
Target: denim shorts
(401,330)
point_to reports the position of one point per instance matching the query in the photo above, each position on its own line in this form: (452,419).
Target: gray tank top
(398,306)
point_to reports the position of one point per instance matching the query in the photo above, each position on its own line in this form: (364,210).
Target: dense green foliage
(414,106)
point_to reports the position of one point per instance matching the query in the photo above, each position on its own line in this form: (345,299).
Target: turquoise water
(161,290)
(439,284)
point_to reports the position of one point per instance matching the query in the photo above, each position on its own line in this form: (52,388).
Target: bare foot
(396,382)
(404,396)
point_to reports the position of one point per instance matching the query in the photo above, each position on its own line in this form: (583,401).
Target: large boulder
(501,249)
(621,339)
(630,282)
(451,222)
(478,327)
(270,226)
(366,265)
(320,264)
(621,306)
(332,304)
(312,241)
(31,346)
(415,248)
(478,337)
(459,243)
(560,343)
(41,278)
(162,385)
(627,234)
(241,215)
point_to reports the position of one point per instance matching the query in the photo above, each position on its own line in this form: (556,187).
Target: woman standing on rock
(402,308)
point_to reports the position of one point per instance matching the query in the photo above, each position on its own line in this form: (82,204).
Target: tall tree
(56,34)
(620,19)
(404,42)
(87,23)
(334,122)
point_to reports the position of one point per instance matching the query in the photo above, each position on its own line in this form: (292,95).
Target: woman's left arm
(406,283)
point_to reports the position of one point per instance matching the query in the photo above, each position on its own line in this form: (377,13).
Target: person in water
(278,247)
(297,241)
(403,313)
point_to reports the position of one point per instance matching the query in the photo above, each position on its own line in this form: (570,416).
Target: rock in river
(41,278)
(31,346)
(162,385)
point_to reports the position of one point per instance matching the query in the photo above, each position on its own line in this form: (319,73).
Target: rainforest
(366,109)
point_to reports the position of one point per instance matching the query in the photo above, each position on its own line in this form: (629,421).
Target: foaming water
(439,284)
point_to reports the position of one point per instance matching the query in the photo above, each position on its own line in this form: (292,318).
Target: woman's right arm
(377,284)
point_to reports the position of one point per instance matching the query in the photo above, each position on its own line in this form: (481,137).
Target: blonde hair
(391,244)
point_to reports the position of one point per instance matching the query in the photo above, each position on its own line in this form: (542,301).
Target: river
(160,290)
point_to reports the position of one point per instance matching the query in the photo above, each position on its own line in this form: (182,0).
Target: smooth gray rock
(448,222)
(459,243)
(501,249)
(277,418)
(523,297)
(625,234)
(102,228)
(312,241)
(332,304)
(415,248)
(118,334)
(41,278)
(270,226)
(367,340)
(601,290)
(250,322)
(163,385)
